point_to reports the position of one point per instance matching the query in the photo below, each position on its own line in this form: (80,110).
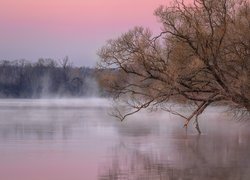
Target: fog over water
(75,139)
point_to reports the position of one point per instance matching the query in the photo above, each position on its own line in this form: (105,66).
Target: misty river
(76,139)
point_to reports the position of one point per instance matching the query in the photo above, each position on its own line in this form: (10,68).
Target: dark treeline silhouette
(46,78)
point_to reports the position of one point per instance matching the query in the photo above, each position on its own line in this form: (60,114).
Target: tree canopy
(201,57)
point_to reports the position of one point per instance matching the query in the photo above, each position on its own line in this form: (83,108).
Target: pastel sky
(32,29)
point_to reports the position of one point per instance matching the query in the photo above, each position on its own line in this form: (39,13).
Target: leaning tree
(201,57)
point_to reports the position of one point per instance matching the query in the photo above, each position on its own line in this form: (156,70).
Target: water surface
(76,139)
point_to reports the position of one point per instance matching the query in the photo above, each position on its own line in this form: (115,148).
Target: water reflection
(52,140)
(193,158)
(222,152)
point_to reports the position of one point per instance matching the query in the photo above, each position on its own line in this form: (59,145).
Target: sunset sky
(32,29)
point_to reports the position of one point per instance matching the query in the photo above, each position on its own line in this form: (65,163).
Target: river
(77,139)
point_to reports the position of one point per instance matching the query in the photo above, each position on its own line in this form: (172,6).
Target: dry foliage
(202,56)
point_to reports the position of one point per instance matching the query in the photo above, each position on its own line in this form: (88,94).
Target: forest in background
(47,78)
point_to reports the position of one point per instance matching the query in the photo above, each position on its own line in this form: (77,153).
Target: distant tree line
(46,78)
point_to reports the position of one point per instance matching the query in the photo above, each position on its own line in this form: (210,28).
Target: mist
(47,78)
(77,139)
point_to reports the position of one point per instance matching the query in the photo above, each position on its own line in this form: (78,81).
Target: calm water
(78,140)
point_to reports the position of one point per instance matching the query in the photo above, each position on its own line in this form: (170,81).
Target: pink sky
(55,28)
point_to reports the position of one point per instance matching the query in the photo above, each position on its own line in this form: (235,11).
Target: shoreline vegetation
(47,78)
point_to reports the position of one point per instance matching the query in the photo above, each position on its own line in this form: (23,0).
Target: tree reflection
(199,157)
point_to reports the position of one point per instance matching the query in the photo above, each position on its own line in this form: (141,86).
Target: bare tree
(200,57)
